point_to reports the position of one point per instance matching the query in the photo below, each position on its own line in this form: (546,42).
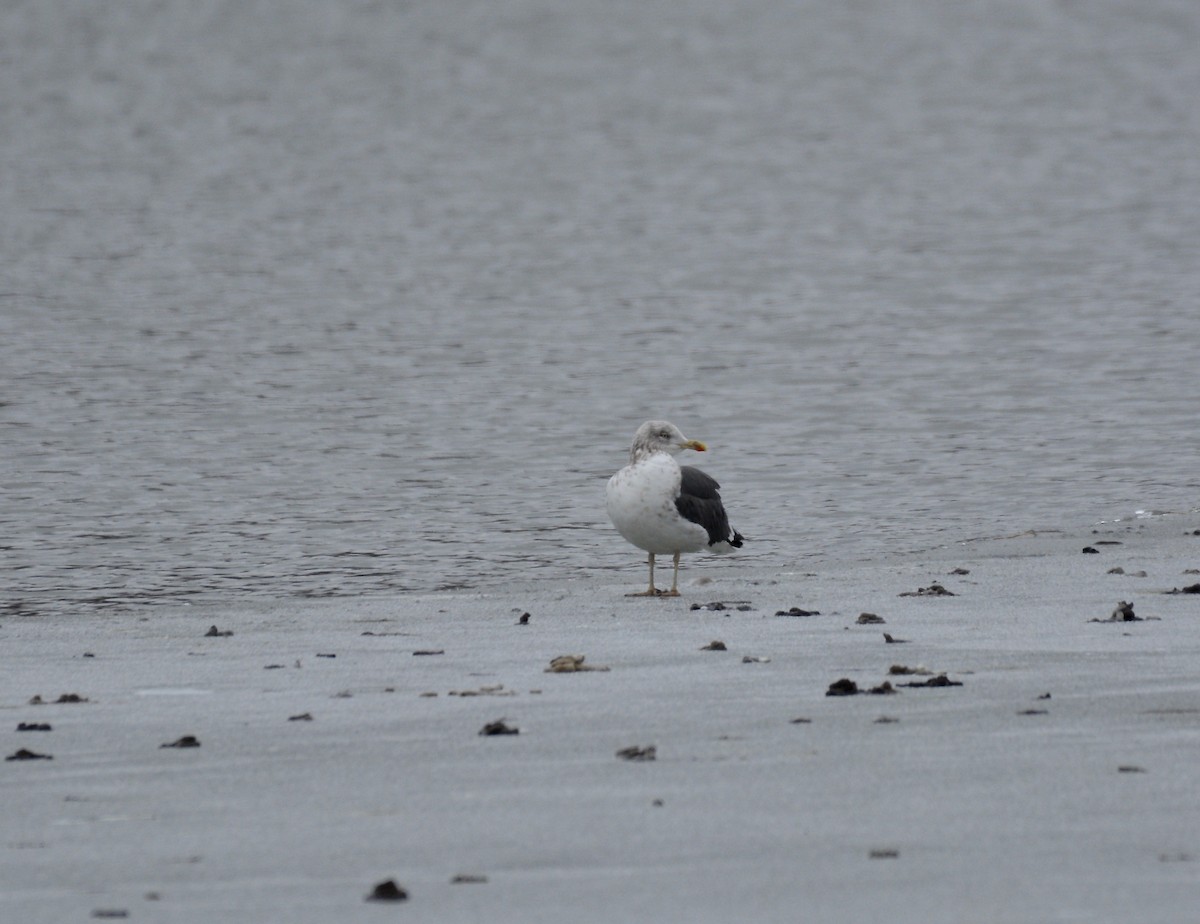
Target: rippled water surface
(357,298)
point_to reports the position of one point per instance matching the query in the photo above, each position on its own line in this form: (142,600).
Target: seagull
(664,507)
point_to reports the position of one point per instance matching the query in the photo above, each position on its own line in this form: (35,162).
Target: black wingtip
(737,540)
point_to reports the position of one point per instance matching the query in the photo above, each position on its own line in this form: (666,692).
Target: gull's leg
(674,591)
(651,592)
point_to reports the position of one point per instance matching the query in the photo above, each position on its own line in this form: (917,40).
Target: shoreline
(984,799)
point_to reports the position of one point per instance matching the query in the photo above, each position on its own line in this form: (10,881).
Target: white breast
(641,504)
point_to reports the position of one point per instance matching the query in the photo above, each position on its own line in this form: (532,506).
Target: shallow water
(308,300)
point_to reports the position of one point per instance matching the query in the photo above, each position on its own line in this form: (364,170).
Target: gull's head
(661,436)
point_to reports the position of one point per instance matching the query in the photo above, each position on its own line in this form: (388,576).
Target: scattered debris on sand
(387,891)
(214,632)
(1190,589)
(894,641)
(33,726)
(883,853)
(571,664)
(302,717)
(1089,550)
(468,879)
(499,727)
(187,741)
(843,687)
(1034,712)
(755,659)
(797,611)
(900,670)
(714,645)
(634,752)
(26,754)
(886,720)
(1123,613)
(884,689)
(933,590)
(36,699)
(960,572)
(941,680)
(869,619)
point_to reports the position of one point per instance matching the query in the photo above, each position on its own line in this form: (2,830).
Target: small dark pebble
(302,717)
(429,651)
(1130,768)
(883,689)
(714,645)
(273,667)
(870,619)
(187,741)
(1044,696)
(214,632)
(801,720)
(387,891)
(499,728)
(894,641)
(25,754)
(468,878)
(716,606)
(885,720)
(1034,712)
(843,687)
(638,753)
(959,572)
(884,854)
(796,611)
(1116,570)
(941,680)
(33,726)
(657,803)
(1089,550)
(88,654)
(524,620)
(325,655)
(110,913)
(1107,542)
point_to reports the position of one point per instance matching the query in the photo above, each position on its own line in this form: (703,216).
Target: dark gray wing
(699,500)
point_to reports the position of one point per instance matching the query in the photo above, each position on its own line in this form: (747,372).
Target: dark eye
(665,434)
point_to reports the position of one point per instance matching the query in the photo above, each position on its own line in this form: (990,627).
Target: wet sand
(338,744)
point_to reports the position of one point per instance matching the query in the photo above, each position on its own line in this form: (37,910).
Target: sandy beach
(340,746)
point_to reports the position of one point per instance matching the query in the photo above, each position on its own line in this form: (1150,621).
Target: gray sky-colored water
(323,299)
